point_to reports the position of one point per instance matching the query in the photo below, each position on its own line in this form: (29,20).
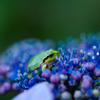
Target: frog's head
(51,55)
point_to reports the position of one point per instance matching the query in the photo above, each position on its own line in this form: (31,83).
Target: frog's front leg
(44,66)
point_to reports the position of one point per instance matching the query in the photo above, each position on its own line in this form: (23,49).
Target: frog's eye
(51,55)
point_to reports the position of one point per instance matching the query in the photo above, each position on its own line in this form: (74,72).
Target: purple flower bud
(55,78)
(87,77)
(7,86)
(61,88)
(2,90)
(90,66)
(85,84)
(97,72)
(15,86)
(76,75)
(3,69)
(46,73)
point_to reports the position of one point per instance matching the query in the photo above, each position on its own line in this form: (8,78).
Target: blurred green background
(55,19)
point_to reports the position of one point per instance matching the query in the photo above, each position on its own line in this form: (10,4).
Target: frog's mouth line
(49,61)
(47,58)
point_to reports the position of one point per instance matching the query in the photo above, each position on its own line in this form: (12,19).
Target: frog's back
(36,61)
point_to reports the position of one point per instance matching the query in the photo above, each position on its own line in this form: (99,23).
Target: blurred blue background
(54,19)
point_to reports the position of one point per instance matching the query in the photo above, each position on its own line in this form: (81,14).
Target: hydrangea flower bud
(90,66)
(71,82)
(46,73)
(87,77)
(65,96)
(3,69)
(63,77)
(95,92)
(76,75)
(2,90)
(61,88)
(77,94)
(7,86)
(55,78)
(85,84)
(97,72)
(15,86)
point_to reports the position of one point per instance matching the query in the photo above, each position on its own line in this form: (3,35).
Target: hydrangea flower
(74,75)
(69,73)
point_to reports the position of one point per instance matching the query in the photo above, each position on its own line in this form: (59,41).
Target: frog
(43,60)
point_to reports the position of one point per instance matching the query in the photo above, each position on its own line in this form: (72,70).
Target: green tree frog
(43,59)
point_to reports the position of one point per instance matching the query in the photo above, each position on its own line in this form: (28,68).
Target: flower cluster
(15,60)
(73,77)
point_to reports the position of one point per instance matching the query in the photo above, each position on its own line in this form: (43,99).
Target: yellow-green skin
(42,57)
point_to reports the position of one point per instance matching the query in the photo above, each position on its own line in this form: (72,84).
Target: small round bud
(87,77)
(62,88)
(95,92)
(85,84)
(76,75)
(94,47)
(77,94)
(15,86)
(65,96)
(46,73)
(71,82)
(7,86)
(55,78)
(97,72)
(63,77)
(3,69)
(90,66)
(2,90)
